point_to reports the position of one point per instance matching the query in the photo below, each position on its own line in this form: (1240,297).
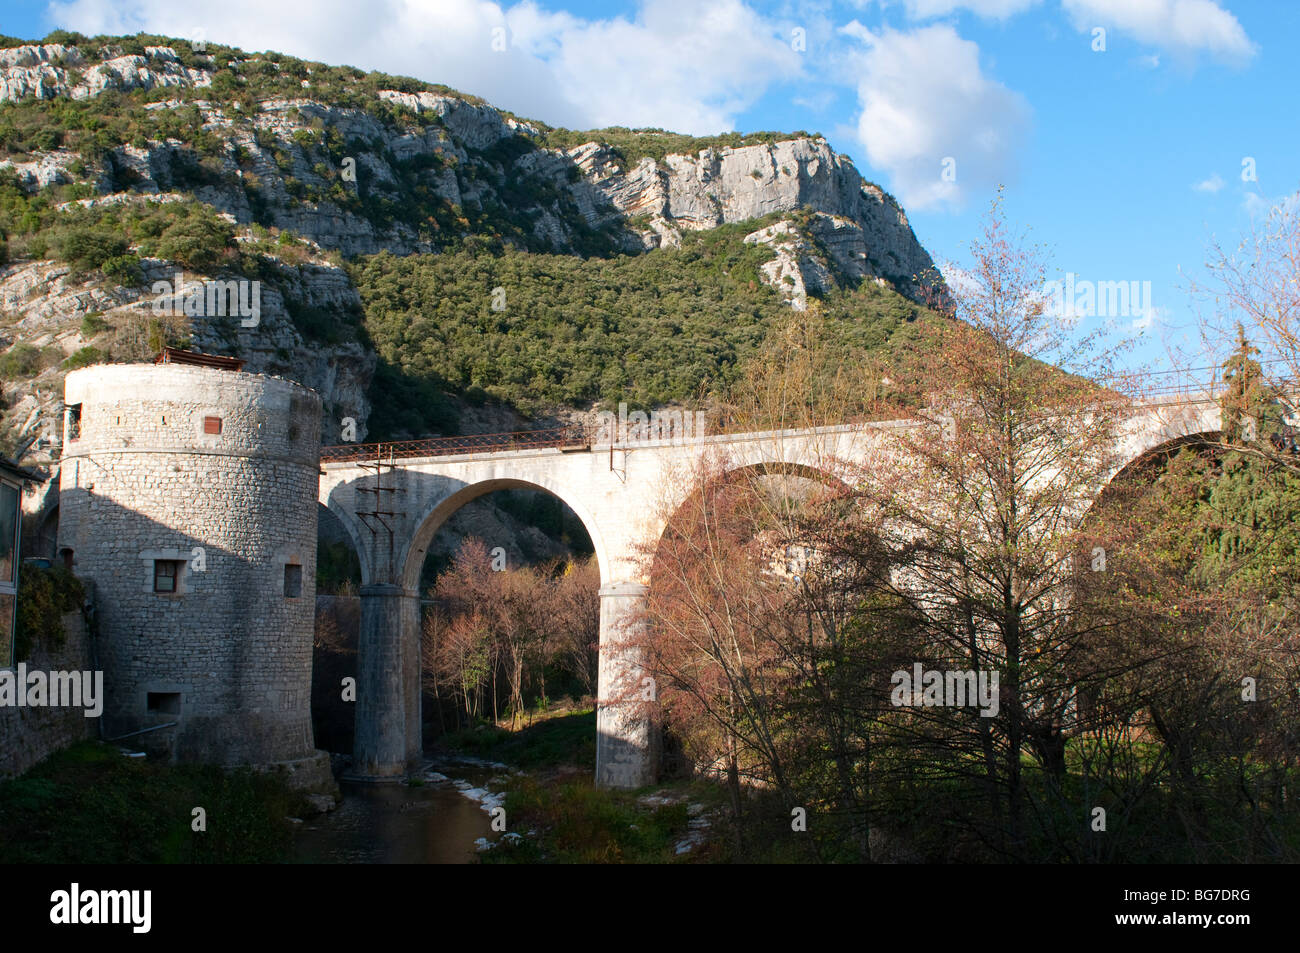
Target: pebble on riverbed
(488,800)
(321,803)
(484,844)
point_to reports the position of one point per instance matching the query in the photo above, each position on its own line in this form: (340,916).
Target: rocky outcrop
(50,71)
(864,230)
(797,266)
(50,168)
(472,125)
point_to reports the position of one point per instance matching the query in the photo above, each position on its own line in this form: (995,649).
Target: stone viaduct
(392,499)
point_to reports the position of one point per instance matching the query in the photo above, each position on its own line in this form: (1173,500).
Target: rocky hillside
(126,159)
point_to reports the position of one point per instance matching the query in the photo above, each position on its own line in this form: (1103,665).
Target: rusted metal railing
(573,437)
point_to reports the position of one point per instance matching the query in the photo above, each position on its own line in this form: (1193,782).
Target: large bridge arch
(433,517)
(725,472)
(625,746)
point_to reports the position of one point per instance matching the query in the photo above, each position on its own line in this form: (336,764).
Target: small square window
(166,574)
(74,422)
(164,703)
(292,581)
(212,425)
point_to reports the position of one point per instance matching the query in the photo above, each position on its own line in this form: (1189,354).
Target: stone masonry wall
(29,735)
(143,482)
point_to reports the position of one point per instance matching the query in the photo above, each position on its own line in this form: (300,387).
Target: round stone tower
(188,499)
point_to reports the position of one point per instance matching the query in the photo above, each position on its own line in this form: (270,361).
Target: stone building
(188,502)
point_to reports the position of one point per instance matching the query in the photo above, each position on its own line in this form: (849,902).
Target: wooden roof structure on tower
(176,355)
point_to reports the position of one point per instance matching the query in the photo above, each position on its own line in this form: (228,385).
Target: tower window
(292,581)
(212,425)
(74,422)
(164,703)
(166,572)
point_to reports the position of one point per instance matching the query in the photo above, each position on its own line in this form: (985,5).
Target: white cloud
(994,9)
(1149,62)
(1261,206)
(1182,26)
(684,65)
(928,109)
(1212,184)
(679,64)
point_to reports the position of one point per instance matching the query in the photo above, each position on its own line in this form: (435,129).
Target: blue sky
(1126,162)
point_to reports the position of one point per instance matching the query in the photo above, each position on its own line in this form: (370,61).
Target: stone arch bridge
(392,498)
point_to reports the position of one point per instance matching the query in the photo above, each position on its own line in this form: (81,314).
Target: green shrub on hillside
(84,357)
(200,239)
(27,360)
(93,324)
(647,329)
(86,247)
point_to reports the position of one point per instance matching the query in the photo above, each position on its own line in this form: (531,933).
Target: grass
(88,804)
(563,738)
(578,823)
(574,821)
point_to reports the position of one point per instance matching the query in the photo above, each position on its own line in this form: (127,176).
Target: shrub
(199,240)
(86,248)
(84,358)
(26,360)
(44,596)
(124,269)
(92,324)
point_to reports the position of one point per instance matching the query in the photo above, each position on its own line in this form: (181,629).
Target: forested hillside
(670,325)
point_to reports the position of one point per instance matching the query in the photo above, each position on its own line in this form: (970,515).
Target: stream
(395,823)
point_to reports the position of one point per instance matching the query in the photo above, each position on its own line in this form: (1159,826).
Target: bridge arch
(348,519)
(1154,452)
(431,520)
(726,472)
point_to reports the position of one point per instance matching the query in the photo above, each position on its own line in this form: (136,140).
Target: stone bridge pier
(388,738)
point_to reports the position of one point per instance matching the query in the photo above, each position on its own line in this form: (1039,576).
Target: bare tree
(1249,306)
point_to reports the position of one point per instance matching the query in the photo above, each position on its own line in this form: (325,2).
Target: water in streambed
(434,823)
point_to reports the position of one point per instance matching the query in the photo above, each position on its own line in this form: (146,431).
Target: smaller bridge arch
(354,532)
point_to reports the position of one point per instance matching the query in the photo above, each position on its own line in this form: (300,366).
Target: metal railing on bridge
(573,437)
